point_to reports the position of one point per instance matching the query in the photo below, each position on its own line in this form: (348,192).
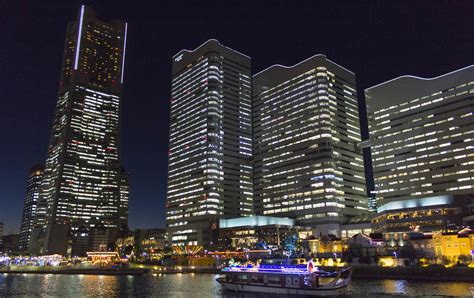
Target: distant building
(124,198)
(150,242)
(308,159)
(210,142)
(81,181)
(11,243)
(30,205)
(421,131)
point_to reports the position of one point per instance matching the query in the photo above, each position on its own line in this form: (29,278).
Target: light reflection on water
(195,286)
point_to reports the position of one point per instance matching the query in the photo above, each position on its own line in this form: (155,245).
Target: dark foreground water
(194,286)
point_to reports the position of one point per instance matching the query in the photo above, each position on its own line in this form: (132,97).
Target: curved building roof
(408,87)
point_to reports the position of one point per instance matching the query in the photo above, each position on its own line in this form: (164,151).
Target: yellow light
(387,262)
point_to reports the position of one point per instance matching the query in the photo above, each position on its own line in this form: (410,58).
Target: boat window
(258,278)
(273,280)
(242,277)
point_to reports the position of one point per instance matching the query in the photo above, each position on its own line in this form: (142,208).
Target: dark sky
(376,40)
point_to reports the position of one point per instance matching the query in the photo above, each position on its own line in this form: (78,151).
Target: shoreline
(80,271)
(413,274)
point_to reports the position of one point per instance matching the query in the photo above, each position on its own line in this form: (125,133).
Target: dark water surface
(195,286)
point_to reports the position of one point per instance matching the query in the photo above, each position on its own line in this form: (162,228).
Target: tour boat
(287,280)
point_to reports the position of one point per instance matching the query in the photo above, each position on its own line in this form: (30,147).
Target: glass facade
(210,143)
(422,134)
(308,162)
(81,183)
(30,205)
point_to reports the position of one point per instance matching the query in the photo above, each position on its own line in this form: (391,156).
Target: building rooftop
(408,87)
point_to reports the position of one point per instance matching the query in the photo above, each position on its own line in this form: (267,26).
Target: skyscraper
(81,180)
(308,162)
(29,207)
(422,135)
(124,197)
(210,149)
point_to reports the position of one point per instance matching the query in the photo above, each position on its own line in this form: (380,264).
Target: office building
(124,198)
(29,207)
(210,142)
(422,135)
(308,159)
(81,181)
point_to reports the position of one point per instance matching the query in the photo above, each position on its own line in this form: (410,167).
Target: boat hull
(239,287)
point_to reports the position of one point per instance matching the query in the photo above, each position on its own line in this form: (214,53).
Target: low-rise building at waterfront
(429,214)
(357,225)
(328,246)
(150,242)
(454,244)
(262,232)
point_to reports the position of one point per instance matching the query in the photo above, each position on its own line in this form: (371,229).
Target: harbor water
(196,286)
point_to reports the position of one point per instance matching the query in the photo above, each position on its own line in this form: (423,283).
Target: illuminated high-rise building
(422,139)
(81,182)
(124,198)
(210,143)
(29,207)
(308,159)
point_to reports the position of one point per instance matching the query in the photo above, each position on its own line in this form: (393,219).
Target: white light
(79,38)
(124,47)
(177,59)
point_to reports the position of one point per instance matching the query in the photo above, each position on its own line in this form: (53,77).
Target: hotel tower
(422,138)
(210,142)
(81,181)
(308,163)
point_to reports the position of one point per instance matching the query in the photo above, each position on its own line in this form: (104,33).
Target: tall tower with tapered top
(81,182)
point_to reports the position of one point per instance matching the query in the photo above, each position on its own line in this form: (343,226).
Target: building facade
(210,143)
(422,135)
(124,198)
(29,207)
(308,159)
(258,232)
(81,182)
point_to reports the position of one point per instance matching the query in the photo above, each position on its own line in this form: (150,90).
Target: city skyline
(257,52)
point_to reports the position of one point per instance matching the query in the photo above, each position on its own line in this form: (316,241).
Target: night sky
(376,40)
